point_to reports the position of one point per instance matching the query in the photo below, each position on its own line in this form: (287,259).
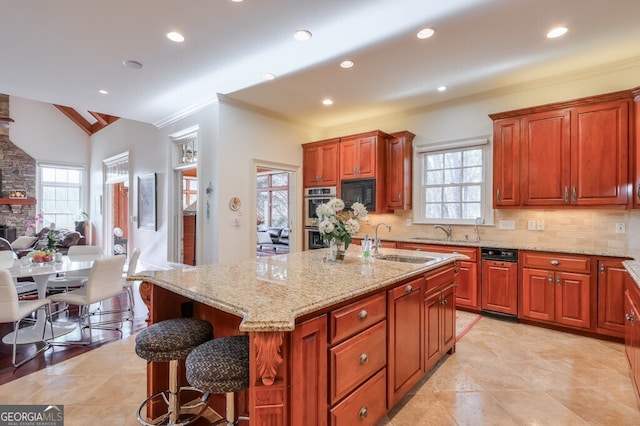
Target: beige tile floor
(501,374)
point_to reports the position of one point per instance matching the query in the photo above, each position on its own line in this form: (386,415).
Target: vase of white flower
(337,226)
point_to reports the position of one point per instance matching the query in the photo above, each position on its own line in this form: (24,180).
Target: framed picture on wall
(147,202)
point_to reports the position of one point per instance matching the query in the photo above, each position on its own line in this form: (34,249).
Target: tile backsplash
(563,228)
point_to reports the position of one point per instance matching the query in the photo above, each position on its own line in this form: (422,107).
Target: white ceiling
(64,51)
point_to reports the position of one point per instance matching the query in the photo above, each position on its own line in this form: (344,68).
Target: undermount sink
(404,259)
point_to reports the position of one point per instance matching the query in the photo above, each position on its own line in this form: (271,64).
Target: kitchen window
(60,189)
(454,183)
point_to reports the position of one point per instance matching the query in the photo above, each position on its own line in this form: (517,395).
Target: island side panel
(269,366)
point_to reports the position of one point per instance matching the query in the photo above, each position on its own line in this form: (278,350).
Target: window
(189,190)
(454,183)
(60,189)
(273,199)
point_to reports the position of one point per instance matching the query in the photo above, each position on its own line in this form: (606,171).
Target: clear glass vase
(336,252)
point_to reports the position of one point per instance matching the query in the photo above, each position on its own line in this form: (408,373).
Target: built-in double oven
(313,197)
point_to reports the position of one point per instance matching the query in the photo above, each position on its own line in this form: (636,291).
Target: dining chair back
(79,250)
(105,279)
(14,310)
(133,262)
(5,245)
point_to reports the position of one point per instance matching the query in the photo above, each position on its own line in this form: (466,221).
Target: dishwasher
(500,282)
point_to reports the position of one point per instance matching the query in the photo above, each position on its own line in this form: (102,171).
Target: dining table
(41,273)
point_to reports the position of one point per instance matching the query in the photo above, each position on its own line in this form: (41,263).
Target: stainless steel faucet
(479,221)
(376,240)
(446,230)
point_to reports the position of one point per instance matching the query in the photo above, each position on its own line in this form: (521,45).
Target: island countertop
(269,293)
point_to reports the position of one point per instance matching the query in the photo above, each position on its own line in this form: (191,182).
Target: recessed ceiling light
(327,102)
(425,33)
(175,36)
(237,1)
(442,88)
(268,76)
(302,35)
(557,32)
(103,92)
(135,65)
(346,64)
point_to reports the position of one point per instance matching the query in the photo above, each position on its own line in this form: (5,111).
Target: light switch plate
(620,228)
(540,225)
(531,224)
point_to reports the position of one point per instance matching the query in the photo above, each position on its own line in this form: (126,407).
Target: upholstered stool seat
(220,366)
(171,341)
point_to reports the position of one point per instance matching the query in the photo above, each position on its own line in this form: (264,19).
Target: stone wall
(17,172)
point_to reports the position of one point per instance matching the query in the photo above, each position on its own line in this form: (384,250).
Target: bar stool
(221,366)
(172,340)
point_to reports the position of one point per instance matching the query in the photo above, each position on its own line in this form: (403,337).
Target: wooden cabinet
(500,286)
(399,168)
(320,163)
(632,334)
(406,359)
(468,271)
(636,148)
(363,156)
(611,284)
(506,159)
(556,289)
(440,315)
(573,153)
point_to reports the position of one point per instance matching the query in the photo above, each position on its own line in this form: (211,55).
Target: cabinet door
(405,358)
(348,159)
(546,159)
(448,308)
(399,167)
(573,299)
(628,329)
(636,148)
(611,284)
(320,163)
(599,151)
(506,162)
(312,163)
(433,341)
(329,172)
(538,294)
(467,284)
(500,287)
(366,157)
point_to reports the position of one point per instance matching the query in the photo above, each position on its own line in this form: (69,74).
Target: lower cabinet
(440,316)
(500,286)
(612,278)
(632,333)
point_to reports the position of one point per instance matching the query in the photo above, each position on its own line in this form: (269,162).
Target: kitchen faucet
(479,221)
(376,240)
(446,230)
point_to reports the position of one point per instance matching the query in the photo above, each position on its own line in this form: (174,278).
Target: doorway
(274,210)
(189,179)
(116,205)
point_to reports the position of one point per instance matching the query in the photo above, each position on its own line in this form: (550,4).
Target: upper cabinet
(569,154)
(399,167)
(363,155)
(636,139)
(320,163)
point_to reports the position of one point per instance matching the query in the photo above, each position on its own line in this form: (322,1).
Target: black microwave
(360,191)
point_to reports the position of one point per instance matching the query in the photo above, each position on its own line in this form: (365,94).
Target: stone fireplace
(17,173)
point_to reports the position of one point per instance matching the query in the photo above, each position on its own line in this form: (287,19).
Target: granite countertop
(269,293)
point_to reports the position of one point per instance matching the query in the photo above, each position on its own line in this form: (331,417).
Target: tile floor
(501,374)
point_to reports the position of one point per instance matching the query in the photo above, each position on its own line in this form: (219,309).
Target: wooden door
(406,357)
(312,163)
(546,159)
(612,278)
(348,159)
(600,153)
(538,294)
(395,173)
(329,171)
(448,309)
(467,282)
(433,340)
(366,157)
(573,299)
(506,162)
(500,287)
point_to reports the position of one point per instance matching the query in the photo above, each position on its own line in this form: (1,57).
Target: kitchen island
(330,343)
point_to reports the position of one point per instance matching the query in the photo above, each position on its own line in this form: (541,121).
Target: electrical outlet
(620,228)
(408,222)
(531,224)
(540,225)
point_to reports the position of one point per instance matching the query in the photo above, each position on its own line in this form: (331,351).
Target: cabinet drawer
(560,262)
(356,359)
(353,318)
(439,277)
(365,406)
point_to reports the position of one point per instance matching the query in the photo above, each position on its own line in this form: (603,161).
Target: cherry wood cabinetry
(500,286)
(611,284)
(320,163)
(632,334)
(636,146)
(468,272)
(399,167)
(556,288)
(506,152)
(363,155)
(440,315)
(573,153)
(406,341)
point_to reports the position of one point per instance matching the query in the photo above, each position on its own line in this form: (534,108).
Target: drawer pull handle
(555,262)
(363,413)
(363,358)
(363,314)
(408,289)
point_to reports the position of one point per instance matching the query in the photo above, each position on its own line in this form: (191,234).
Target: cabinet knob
(566,194)
(555,262)
(363,413)
(602,270)
(363,358)
(363,314)
(550,279)
(498,194)
(574,194)
(638,191)
(408,288)
(444,301)
(629,316)
(558,280)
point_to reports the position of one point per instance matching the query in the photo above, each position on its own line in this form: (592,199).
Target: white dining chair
(14,310)
(104,282)
(128,286)
(72,280)
(24,288)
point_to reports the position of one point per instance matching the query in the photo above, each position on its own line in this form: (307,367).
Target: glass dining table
(41,273)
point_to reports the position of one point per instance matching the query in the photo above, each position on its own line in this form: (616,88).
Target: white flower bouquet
(338,224)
